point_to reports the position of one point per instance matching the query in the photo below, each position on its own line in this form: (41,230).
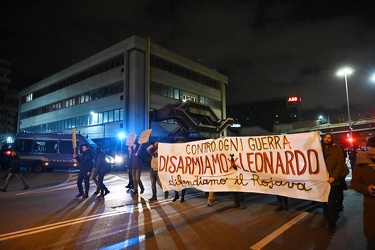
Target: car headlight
(109,159)
(119,159)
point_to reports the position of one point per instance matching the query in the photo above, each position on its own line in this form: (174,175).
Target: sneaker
(166,194)
(279,208)
(210,204)
(100,196)
(135,192)
(235,205)
(79,195)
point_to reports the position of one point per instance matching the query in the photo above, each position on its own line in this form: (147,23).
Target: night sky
(267,48)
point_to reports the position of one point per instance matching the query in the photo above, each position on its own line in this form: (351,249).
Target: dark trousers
(238,197)
(130,175)
(136,172)
(10,177)
(83,176)
(154,177)
(101,186)
(330,209)
(282,200)
(183,192)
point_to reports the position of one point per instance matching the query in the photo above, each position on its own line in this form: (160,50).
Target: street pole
(345,72)
(349,118)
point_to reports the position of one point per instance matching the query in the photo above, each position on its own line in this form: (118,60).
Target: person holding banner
(136,167)
(183,192)
(363,181)
(334,160)
(85,161)
(154,177)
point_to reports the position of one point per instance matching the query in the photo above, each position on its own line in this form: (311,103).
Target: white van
(41,152)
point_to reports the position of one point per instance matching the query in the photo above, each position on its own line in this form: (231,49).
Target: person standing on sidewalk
(154,176)
(85,161)
(363,181)
(15,170)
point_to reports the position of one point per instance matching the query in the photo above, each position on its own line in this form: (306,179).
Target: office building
(130,87)
(8,104)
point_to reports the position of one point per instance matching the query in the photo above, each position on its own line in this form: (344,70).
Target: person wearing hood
(334,159)
(363,181)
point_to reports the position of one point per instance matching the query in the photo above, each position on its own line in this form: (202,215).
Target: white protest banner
(144,136)
(130,139)
(290,165)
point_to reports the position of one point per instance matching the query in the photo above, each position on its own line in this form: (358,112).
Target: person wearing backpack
(102,168)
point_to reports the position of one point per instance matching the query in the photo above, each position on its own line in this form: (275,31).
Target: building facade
(265,113)
(116,90)
(8,104)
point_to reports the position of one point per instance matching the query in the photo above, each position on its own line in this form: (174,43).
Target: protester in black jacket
(15,170)
(85,161)
(101,168)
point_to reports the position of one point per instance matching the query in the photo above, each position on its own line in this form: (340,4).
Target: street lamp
(121,136)
(345,72)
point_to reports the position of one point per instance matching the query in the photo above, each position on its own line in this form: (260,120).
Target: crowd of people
(94,165)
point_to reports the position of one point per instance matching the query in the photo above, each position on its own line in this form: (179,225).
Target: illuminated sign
(294,99)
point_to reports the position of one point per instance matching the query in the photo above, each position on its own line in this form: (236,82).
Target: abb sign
(294,99)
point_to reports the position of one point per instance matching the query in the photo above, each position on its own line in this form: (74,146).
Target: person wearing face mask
(363,181)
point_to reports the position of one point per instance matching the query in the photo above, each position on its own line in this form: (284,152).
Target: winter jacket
(101,165)
(334,159)
(363,176)
(85,161)
(136,160)
(15,165)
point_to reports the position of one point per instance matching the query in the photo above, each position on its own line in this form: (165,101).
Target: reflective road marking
(279,231)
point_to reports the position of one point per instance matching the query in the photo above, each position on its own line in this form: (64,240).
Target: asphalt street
(48,216)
